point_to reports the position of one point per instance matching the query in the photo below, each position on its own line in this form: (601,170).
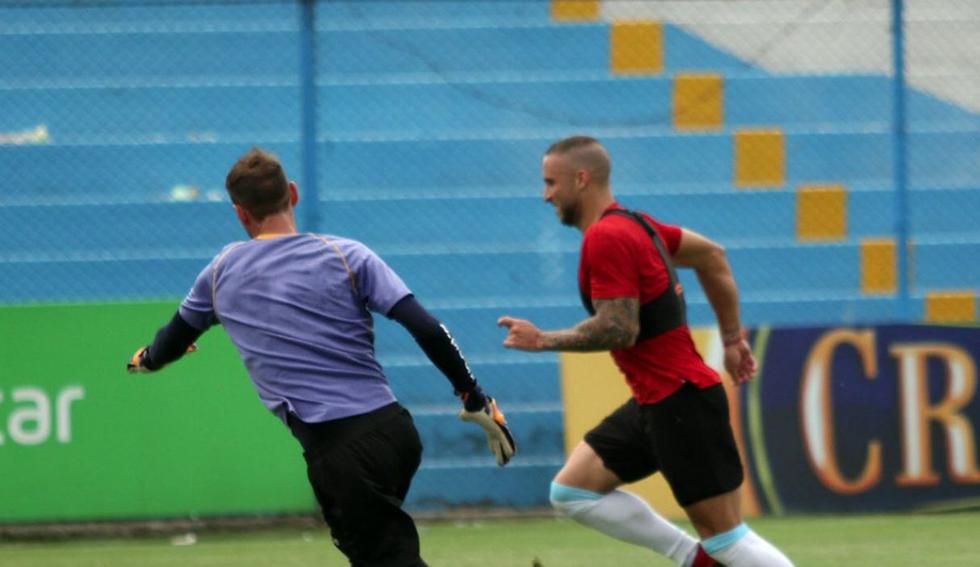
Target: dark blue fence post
(307,46)
(900,149)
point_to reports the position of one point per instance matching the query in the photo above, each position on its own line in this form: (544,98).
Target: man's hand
(739,359)
(521,334)
(491,419)
(140,362)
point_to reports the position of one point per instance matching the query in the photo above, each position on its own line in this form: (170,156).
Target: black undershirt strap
(668,310)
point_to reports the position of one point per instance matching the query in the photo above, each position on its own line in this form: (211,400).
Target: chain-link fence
(779,128)
(776,128)
(119,122)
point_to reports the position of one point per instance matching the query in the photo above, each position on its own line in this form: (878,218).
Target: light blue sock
(719,542)
(742,547)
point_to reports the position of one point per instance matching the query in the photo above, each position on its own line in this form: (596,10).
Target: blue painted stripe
(725,539)
(564,493)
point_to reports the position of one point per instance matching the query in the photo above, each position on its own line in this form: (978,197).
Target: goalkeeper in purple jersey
(298,308)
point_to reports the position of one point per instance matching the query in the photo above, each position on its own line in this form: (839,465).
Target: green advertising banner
(82,439)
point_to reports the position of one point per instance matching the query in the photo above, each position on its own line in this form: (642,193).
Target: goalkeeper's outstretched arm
(434,339)
(172,341)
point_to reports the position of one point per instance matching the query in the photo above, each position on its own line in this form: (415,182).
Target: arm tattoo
(615,325)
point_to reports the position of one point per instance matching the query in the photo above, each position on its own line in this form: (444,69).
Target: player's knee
(572,501)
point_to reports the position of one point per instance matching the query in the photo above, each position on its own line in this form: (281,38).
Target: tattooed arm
(615,325)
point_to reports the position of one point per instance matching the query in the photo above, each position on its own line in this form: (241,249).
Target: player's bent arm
(615,325)
(709,261)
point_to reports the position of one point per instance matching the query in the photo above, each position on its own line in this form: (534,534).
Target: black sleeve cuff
(171,343)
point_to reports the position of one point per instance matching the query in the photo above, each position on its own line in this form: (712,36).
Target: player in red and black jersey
(677,420)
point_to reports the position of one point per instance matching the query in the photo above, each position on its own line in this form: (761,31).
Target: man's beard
(568,215)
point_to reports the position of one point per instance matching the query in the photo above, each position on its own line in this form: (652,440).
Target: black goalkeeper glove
(483,411)
(140,362)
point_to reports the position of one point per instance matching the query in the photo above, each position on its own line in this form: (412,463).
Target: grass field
(895,540)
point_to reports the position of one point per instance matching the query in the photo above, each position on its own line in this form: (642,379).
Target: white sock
(626,517)
(741,547)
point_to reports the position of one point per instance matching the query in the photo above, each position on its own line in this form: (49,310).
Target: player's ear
(293,193)
(582,178)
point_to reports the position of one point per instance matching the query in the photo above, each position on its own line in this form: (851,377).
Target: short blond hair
(586,152)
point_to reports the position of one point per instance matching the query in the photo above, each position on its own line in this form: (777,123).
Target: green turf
(911,540)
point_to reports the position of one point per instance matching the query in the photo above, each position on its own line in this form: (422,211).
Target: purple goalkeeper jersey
(298,309)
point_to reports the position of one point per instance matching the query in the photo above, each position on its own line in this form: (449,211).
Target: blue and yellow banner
(866,419)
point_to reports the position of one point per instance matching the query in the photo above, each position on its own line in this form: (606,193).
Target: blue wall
(431,119)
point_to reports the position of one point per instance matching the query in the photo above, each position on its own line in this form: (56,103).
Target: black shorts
(360,469)
(687,436)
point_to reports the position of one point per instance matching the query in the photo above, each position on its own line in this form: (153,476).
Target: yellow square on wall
(636,48)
